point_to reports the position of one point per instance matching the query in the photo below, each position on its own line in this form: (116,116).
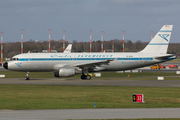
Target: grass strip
(20,97)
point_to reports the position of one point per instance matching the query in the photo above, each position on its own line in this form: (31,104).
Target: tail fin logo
(164,36)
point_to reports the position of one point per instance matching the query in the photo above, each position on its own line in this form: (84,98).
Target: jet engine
(66,72)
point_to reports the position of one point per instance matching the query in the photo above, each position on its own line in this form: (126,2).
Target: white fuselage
(53,61)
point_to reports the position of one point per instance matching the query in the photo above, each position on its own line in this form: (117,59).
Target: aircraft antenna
(102,41)
(1,47)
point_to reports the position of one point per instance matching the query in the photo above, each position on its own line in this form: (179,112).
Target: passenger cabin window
(14,59)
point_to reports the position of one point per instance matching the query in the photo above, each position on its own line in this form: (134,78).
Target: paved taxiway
(59,81)
(89,114)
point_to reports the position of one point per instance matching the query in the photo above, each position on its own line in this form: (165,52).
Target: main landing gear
(27,76)
(87,77)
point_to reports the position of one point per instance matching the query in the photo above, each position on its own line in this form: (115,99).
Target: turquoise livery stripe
(165,31)
(158,44)
(80,59)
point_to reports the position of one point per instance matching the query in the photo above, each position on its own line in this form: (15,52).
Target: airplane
(68,64)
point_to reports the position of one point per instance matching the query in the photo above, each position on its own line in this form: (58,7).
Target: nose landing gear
(27,76)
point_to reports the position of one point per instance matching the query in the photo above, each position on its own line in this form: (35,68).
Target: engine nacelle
(65,72)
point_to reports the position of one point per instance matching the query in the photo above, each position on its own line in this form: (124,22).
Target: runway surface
(55,81)
(89,114)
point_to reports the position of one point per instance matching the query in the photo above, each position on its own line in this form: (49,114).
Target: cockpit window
(14,59)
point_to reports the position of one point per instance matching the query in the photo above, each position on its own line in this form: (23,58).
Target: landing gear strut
(27,76)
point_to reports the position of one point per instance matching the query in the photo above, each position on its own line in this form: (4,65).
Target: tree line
(13,48)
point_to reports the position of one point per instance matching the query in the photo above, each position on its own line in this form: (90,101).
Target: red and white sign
(138,98)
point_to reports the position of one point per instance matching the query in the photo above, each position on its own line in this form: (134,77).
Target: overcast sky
(136,17)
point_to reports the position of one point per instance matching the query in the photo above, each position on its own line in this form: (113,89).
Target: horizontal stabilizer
(167,57)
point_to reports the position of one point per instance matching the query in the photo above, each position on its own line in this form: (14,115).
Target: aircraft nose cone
(5,65)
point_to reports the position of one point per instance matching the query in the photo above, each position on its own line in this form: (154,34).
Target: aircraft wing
(92,65)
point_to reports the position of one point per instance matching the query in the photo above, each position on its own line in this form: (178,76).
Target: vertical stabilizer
(68,49)
(160,42)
